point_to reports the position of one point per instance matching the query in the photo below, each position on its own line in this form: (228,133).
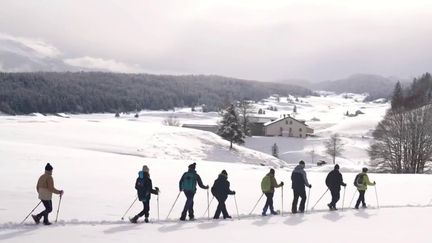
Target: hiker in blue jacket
(144,188)
(188,184)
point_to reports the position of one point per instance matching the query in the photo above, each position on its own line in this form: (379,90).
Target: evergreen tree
(295,109)
(230,127)
(397,101)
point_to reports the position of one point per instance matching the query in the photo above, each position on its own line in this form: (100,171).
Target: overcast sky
(261,40)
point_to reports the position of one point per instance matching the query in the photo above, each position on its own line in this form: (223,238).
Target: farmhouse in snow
(287,126)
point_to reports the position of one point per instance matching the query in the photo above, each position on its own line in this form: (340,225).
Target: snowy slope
(96,160)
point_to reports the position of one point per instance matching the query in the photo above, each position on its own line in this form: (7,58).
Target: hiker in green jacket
(268,184)
(361,182)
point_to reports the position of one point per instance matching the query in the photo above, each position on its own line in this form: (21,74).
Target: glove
(282,183)
(181,189)
(207,187)
(233,192)
(157,189)
(344,184)
(310,185)
(61,193)
(374,182)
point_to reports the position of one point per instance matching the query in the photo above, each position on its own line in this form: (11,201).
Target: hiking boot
(263,214)
(227,217)
(47,223)
(330,206)
(356,207)
(36,219)
(133,220)
(274,213)
(364,206)
(191,218)
(146,220)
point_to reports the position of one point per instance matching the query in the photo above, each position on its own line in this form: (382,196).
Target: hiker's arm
(200,183)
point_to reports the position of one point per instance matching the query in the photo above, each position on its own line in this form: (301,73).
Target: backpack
(358,181)
(189,181)
(266,184)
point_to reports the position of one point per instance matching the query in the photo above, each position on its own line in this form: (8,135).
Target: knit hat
(365,169)
(336,167)
(224,172)
(192,166)
(146,169)
(301,162)
(272,171)
(48,167)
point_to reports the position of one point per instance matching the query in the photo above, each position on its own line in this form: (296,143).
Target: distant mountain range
(375,85)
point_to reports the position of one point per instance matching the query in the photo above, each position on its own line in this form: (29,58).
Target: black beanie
(301,162)
(224,173)
(365,169)
(272,171)
(192,166)
(336,167)
(48,167)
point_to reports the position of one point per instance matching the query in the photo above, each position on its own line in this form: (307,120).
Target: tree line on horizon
(94,92)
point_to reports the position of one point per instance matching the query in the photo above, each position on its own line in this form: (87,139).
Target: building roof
(283,118)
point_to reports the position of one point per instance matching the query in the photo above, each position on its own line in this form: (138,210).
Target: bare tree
(403,141)
(171,121)
(334,146)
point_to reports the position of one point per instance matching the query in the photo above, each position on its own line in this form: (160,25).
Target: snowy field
(96,159)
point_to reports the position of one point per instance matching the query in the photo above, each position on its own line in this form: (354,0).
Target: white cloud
(103,64)
(37,46)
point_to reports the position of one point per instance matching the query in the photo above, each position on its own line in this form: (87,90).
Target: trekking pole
(235,200)
(282,201)
(307,204)
(31,212)
(58,209)
(157,198)
(352,199)
(122,218)
(376,195)
(343,199)
(256,204)
(173,205)
(208,207)
(319,199)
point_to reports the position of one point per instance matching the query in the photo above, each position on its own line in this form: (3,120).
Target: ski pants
(189,204)
(269,202)
(361,199)
(221,208)
(146,209)
(48,209)
(299,193)
(335,193)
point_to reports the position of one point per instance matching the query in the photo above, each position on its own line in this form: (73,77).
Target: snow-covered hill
(96,159)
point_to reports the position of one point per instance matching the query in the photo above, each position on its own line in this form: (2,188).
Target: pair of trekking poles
(136,198)
(58,210)
(208,205)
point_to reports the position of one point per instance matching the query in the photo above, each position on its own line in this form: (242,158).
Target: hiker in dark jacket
(361,182)
(268,184)
(221,190)
(144,188)
(334,181)
(299,181)
(45,188)
(188,184)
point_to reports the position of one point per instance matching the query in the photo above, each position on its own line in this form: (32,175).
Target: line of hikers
(220,190)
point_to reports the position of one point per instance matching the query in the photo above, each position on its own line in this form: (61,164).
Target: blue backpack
(189,181)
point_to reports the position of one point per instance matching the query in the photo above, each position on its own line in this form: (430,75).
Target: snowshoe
(133,220)
(36,219)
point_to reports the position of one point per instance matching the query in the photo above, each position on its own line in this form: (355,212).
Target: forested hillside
(89,92)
